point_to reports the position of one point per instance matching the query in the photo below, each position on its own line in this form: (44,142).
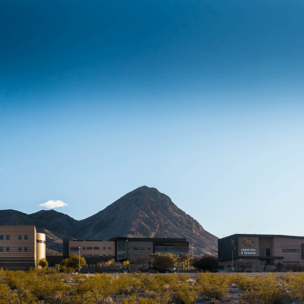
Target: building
(136,250)
(21,247)
(266,249)
(90,248)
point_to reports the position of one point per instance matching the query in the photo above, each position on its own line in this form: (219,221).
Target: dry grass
(45,286)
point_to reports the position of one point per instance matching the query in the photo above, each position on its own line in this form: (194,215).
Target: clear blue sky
(201,99)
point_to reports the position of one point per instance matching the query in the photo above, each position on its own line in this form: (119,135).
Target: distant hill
(144,212)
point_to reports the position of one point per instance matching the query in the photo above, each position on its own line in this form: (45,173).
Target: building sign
(248,251)
(248,246)
(248,242)
(232,243)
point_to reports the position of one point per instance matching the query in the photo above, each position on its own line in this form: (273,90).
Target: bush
(43,263)
(207,263)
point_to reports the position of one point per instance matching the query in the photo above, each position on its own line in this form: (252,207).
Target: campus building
(21,247)
(136,250)
(267,249)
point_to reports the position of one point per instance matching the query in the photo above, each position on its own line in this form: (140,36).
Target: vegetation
(163,262)
(207,263)
(43,263)
(50,286)
(70,264)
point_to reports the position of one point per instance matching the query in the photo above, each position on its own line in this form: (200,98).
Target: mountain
(144,212)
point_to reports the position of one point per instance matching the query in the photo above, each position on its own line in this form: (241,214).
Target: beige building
(92,249)
(21,247)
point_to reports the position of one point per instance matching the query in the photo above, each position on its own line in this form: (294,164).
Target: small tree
(207,263)
(126,263)
(184,259)
(163,262)
(43,263)
(73,262)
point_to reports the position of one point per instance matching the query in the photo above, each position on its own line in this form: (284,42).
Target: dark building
(266,249)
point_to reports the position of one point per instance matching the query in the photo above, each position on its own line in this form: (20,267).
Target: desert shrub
(213,285)
(184,294)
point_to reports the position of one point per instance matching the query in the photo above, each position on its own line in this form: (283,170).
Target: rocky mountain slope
(144,212)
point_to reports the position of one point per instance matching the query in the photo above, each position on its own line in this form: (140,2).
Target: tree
(43,263)
(207,263)
(73,262)
(163,262)
(184,259)
(126,263)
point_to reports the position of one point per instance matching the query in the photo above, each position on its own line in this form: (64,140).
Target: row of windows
(88,248)
(7,237)
(95,255)
(25,249)
(290,250)
(40,241)
(140,248)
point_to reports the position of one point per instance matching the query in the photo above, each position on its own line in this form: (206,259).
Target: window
(104,255)
(83,248)
(74,248)
(104,248)
(96,248)
(1,249)
(135,248)
(7,249)
(96,255)
(290,250)
(19,237)
(109,248)
(25,249)
(7,237)
(89,255)
(19,249)
(25,237)
(141,248)
(89,248)
(1,237)
(149,248)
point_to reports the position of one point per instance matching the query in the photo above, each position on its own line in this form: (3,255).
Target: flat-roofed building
(21,247)
(136,250)
(91,248)
(261,248)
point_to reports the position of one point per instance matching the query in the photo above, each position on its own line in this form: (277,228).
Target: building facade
(21,247)
(266,249)
(92,249)
(136,250)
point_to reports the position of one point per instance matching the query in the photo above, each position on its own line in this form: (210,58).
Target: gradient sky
(201,99)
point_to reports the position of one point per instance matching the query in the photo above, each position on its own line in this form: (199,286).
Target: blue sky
(202,100)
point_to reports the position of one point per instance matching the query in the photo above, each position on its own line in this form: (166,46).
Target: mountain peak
(143,212)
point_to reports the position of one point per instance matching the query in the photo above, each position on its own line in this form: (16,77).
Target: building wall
(139,250)
(22,247)
(40,246)
(281,244)
(105,248)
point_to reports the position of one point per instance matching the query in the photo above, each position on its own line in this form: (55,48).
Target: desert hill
(144,212)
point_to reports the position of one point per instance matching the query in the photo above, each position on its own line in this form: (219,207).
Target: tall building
(21,247)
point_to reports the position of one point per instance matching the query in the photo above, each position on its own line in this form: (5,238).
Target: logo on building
(232,243)
(248,242)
